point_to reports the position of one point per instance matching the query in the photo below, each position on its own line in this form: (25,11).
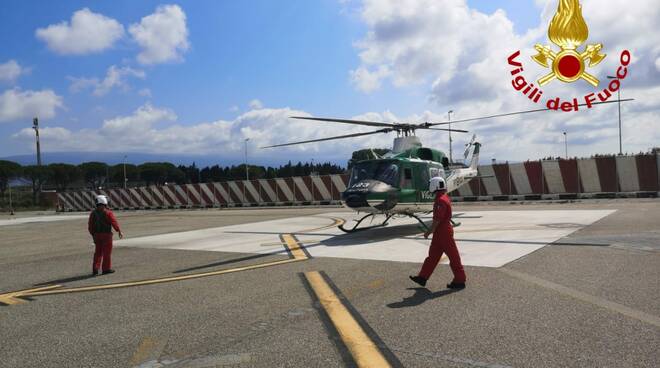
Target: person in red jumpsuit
(100,225)
(443,239)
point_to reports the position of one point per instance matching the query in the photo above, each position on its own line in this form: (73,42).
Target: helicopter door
(407,178)
(422,184)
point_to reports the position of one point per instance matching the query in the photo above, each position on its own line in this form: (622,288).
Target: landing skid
(384,223)
(355,227)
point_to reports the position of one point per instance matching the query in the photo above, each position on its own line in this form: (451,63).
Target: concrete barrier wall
(647,172)
(626,169)
(520,179)
(589,176)
(553,177)
(490,180)
(627,174)
(280,191)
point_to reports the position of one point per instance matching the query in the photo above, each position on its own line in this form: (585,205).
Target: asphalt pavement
(590,299)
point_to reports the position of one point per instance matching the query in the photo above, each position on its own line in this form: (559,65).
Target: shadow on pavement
(68,279)
(421,295)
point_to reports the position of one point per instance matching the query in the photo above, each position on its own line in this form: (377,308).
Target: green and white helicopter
(397,183)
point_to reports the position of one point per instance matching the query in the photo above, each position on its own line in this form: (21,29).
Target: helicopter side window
(445,162)
(423,176)
(388,173)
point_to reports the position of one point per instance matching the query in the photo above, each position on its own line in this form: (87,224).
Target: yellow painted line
(294,247)
(162,280)
(362,348)
(290,243)
(13,298)
(337,221)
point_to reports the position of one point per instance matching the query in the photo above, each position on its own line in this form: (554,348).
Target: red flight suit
(443,241)
(100,225)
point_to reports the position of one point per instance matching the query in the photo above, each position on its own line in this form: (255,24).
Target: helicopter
(397,183)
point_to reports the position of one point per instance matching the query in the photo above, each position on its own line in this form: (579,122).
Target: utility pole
(566,145)
(618,93)
(451,160)
(35,126)
(11,207)
(247,173)
(125,180)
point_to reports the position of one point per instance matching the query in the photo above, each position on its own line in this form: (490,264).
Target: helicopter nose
(370,195)
(356,200)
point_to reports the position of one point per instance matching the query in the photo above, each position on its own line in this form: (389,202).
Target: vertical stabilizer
(474,161)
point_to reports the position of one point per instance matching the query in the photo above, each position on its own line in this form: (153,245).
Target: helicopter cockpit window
(385,171)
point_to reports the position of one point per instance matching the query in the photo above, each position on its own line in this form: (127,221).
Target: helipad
(485,238)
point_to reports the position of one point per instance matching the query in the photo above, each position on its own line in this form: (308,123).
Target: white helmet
(101,199)
(437,183)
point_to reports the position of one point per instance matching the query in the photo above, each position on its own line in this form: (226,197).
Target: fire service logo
(569,31)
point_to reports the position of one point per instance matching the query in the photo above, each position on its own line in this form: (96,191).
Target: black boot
(419,280)
(456,285)
(108,271)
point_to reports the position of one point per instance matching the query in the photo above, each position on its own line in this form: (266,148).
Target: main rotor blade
(332,138)
(448,130)
(347,121)
(521,112)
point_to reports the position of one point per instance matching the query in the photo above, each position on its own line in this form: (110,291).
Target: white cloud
(368,81)
(16,104)
(145,92)
(87,33)
(162,35)
(115,78)
(458,55)
(152,129)
(256,104)
(10,71)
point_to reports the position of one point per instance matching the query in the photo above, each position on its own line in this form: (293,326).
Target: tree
(8,170)
(192,173)
(94,173)
(117,173)
(62,175)
(38,176)
(160,173)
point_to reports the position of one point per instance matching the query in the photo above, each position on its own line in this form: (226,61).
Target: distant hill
(111,158)
(76,158)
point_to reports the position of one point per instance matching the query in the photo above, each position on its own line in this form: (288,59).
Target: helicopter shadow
(375,235)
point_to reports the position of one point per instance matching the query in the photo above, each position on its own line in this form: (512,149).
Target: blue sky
(241,67)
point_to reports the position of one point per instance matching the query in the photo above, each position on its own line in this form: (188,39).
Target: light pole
(35,126)
(125,180)
(618,94)
(11,207)
(247,174)
(566,145)
(451,160)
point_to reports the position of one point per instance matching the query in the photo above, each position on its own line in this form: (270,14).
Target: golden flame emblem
(568,30)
